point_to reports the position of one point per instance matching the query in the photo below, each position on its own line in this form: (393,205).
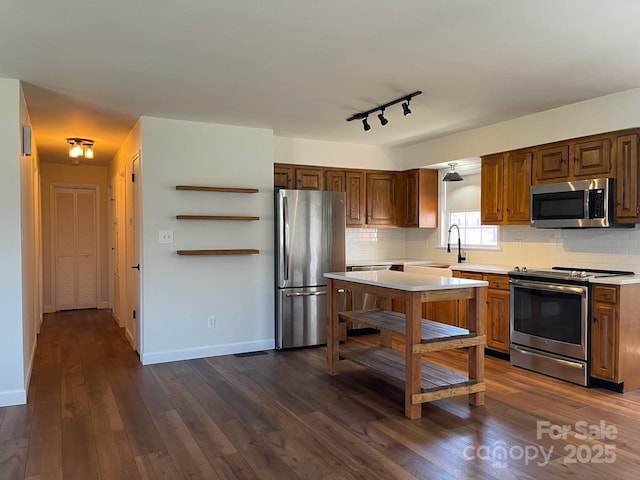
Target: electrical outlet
(211,322)
(166,236)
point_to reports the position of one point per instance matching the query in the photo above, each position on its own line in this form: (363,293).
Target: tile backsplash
(617,249)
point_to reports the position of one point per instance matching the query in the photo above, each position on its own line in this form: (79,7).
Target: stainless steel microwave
(579,204)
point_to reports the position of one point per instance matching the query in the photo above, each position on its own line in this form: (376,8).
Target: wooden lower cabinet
(497,309)
(615,335)
(497,320)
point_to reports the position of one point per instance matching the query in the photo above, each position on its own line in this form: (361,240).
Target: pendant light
(452,176)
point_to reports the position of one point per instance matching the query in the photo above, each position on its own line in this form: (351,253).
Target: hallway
(94,412)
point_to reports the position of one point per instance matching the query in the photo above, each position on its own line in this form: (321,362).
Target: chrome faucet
(461,256)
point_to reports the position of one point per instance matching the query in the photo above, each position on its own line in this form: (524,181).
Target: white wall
(12,368)
(602,114)
(180,292)
(332,154)
(31,248)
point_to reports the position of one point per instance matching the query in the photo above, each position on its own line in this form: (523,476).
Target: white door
(75,246)
(135,225)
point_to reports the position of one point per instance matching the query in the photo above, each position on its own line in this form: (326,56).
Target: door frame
(136,252)
(52,217)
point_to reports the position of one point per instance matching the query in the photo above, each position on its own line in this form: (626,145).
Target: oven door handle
(568,363)
(550,287)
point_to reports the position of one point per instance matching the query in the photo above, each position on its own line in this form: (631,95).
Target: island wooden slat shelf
(420,335)
(241,251)
(437,382)
(217,189)
(216,217)
(434,335)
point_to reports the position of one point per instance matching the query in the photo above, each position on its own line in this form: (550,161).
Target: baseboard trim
(48,309)
(129,336)
(13,397)
(27,377)
(103,305)
(209,351)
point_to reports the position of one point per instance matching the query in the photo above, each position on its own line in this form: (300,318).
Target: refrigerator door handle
(285,236)
(304,294)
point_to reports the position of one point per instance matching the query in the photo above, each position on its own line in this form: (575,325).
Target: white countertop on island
(410,282)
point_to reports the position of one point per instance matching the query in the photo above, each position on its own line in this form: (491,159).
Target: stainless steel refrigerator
(310,241)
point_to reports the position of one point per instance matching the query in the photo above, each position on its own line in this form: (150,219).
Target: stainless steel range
(549,316)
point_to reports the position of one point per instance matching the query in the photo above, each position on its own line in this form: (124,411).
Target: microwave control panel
(597,203)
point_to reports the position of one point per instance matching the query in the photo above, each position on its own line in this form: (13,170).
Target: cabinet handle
(595,319)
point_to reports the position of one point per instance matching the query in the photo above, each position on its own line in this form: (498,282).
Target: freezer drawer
(301,317)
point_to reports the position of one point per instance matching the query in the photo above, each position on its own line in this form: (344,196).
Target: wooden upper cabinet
(282,176)
(591,157)
(356,198)
(419,198)
(491,188)
(309,178)
(551,164)
(381,198)
(517,186)
(627,182)
(334,181)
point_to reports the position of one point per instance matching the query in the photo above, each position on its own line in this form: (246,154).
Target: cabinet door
(355,187)
(334,181)
(551,164)
(282,176)
(497,319)
(604,348)
(410,194)
(518,187)
(592,159)
(445,311)
(491,188)
(309,178)
(381,196)
(626,185)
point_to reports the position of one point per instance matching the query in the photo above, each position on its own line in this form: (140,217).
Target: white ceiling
(301,67)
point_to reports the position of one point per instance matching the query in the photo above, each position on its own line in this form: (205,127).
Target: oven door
(549,317)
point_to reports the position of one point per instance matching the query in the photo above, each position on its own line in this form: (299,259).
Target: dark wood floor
(94,412)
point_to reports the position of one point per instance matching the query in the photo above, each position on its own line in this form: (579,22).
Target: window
(460,205)
(472,232)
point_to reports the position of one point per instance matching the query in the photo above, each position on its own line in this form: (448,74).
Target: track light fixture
(405,108)
(383,120)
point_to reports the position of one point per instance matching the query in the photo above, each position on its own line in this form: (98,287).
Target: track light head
(383,121)
(405,107)
(365,124)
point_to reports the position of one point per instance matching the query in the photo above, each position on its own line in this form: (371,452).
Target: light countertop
(474,267)
(393,261)
(621,280)
(409,282)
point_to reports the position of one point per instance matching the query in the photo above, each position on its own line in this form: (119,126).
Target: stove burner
(569,273)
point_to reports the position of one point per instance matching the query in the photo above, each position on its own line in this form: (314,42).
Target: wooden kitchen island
(421,335)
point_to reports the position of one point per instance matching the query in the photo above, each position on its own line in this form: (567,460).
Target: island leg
(333,328)
(475,323)
(413,362)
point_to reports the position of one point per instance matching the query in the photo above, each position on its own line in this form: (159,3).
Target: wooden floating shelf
(244,251)
(216,217)
(217,189)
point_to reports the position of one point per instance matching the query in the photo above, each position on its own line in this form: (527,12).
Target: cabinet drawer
(605,294)
(471,275)
(499,282)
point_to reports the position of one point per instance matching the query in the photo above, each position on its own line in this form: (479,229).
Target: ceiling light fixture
(79,147)
(383,121)
(405,108)
(452,176)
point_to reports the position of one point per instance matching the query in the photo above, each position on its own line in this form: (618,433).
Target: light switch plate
(166,236)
